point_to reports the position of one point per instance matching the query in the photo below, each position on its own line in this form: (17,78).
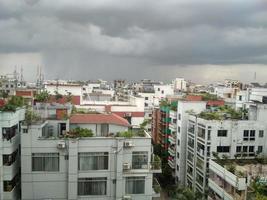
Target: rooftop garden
(13,103)
(131,133)
(42,96)
(79,132)
(171,105)
(31,117)
(76,110)
(222,113)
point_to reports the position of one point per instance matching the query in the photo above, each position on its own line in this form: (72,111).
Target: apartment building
(226,135)
(178,136)
(107,165)
(10,126)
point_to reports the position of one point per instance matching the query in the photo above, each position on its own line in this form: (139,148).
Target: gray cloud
(113,39)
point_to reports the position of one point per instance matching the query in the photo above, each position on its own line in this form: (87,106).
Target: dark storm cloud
(111,39)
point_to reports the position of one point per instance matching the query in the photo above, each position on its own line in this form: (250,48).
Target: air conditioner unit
(126,166)
(61,145)
(126,198)
(128,144)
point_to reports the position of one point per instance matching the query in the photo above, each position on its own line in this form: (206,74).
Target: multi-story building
(178,136)
(107,165)
(10,126)
(227,134)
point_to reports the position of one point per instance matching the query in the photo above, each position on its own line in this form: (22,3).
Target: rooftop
(98,119)
(223,113)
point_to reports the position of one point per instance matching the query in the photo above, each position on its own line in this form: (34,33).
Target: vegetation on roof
(13,103)
(131,133)
(42,96)
(31,117)
(80,132)
(209,97)
(171,105)
(222,113)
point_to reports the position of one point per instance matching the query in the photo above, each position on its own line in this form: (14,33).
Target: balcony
(11,170)
(11,145)
(155,165)
(173,127)
(172,139)
(171,151)
(171,163)
(156,188)
(219,190)
(11,193)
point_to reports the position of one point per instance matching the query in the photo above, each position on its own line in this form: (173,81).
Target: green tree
(42,96)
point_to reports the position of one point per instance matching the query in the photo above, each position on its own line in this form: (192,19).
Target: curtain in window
(135,185)
(93,161)
(92,186)
(45,162)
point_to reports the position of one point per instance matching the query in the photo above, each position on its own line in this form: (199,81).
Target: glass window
(222,133)
(221,149)
(259,149)
(140,160)
(238,149)
(45,162)
(251,148)
(261,133)
(93,161)
(135,185)
(92,186)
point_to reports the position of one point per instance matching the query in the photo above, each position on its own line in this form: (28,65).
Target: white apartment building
(10,125)
(240,139)
(250,95)
(99,167)
(178,136)
(180,84)
(161,91)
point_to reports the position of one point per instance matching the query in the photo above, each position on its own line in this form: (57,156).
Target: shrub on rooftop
(42,96)
(13,103)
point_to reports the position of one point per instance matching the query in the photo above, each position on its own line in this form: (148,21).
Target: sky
(203,41)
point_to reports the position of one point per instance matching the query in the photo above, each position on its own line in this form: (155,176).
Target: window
(25,130)
(146,98)
(45,162)
(251,149)
(9,185)
(178,155)
(92,186)
(238,149)
(158,89)
(249,135)
(252,134)
(240,98)
(140,160)
(177,167)
(259,149)
(261,133)
(222,133)
(135,185)
(146,104)
(162,91)
(179,116)
(93,161)
(201,132)
(178,142)
(179,129)
(104,129)
(223,149)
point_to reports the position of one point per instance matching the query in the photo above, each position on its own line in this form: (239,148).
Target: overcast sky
(201,40)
